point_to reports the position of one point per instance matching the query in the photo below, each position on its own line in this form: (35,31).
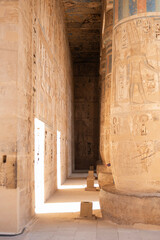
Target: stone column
(105,85)
(135,115)
(105,94)
(135,110)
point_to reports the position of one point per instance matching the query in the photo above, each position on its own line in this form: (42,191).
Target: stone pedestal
(90,181)
(86,209)
(124,208)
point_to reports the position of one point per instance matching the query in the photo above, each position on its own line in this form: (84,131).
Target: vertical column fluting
(135,108)
(105,84)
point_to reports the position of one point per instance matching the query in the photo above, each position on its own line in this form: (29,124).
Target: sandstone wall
(86,114)
(53,84)
(35,81)
(8,92)
(25,118)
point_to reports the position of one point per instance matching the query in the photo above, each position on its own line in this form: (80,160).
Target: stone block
(86,209)
(90,182)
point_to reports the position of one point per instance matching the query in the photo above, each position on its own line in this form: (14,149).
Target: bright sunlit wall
(40,205)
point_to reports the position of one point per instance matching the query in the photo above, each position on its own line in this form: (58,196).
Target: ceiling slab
(83,21)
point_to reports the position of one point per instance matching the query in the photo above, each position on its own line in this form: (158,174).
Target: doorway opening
(62,200)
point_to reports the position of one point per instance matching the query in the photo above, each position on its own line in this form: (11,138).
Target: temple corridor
(80,119)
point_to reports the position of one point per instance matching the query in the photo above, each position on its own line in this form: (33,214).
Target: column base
(103,168)
(129,209)
(105,179)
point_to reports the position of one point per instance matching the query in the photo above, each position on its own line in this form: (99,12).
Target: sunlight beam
(40,205)
(66,207)
(58,160)
(39,162)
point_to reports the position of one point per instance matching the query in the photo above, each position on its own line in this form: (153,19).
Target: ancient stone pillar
(104,171)
(135,110)
(105,84)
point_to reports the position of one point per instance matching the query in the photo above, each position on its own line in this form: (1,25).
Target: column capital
(126,8)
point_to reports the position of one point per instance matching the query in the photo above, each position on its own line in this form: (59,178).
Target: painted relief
(135,113)
(136,61)
(156,31)
(108,26)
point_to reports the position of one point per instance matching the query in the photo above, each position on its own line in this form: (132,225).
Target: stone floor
(68,226)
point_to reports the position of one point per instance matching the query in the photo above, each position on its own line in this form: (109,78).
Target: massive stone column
(135,113)
(105,94)
(135,116)
(106,68)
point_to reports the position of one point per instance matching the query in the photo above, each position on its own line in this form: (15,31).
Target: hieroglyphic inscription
(137,61)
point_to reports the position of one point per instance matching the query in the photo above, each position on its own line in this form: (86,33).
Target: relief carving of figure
(137,61)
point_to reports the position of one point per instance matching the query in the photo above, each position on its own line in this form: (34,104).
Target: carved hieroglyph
(135,114)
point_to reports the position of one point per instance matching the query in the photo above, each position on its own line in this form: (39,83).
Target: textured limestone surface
(35,81)
(124,208)
(86,115)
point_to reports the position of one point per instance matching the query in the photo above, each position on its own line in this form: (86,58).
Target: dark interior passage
(83,20)
(86,114)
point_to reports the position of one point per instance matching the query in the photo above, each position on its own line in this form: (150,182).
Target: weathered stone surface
(35,82)
(124,208)
(8,92)
(105,178)
(135,108)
